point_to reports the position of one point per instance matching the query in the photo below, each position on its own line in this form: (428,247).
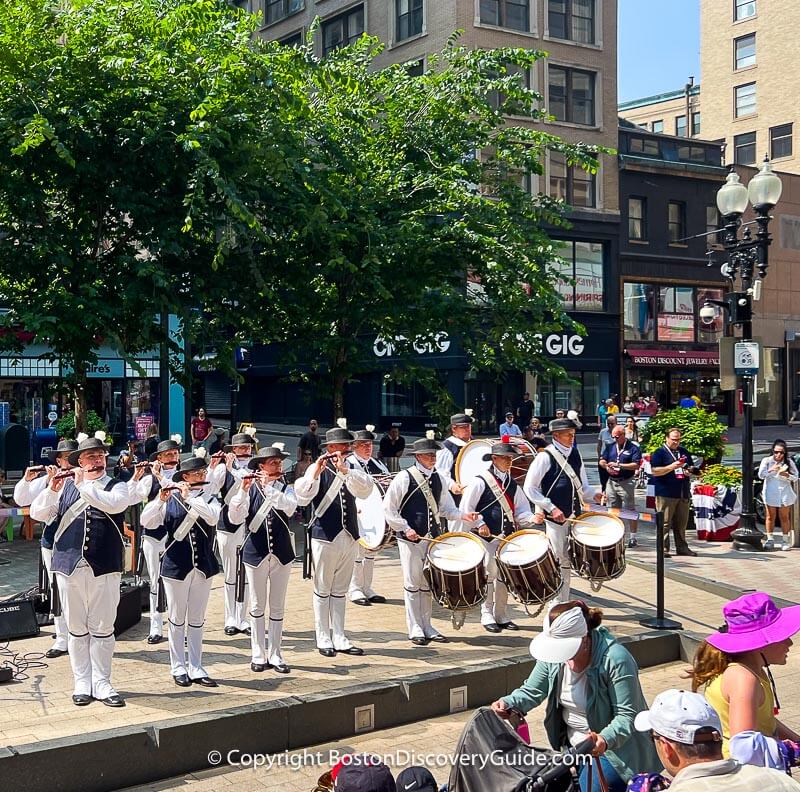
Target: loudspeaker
(17,619)
(129,610)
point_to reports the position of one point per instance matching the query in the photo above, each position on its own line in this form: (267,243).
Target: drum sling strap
(319,511)
(577,487)
(424,488)
(500,494)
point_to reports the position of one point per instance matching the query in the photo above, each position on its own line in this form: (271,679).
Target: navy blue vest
(340,516)
(224,523)
(195,550)
(49,535)
(155,491)
(455,450)
(492,510)
(94,535)
(272,537)
(414,508)
(557,486)
(371,467)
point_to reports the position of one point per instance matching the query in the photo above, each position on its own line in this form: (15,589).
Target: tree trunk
(79,397)
(338,396)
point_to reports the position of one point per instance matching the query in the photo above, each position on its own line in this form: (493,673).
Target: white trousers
(333,570)
(152,549)
(416,592)
(235,612)
(90,606)
(59,622)
(558,534)
(363,570)
(186,602)
(493,608)
(267,584)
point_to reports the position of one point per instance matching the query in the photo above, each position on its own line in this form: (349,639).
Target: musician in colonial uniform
(266,503)
(188,514)
(27,488)
(460,435)
(332,486)
(503,509)
(88,507)
(226,479)
(556,483)
(361,591)
(415,503)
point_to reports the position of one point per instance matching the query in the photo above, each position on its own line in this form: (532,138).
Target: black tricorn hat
(63,447)
(461,419)
(367,434)
(562,424)
(502,449)
(337,435)
(195,463)
(239,439)
(270,452)
(424,446)
(165,445)
(89,444)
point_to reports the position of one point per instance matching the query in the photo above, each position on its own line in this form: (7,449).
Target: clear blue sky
(659,46)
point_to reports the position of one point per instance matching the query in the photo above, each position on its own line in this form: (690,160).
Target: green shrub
(65,427)
(702,433)
(723,475)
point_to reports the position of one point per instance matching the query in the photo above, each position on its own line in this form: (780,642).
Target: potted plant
(702,434)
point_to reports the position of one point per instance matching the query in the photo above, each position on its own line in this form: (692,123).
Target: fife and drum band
(476,522)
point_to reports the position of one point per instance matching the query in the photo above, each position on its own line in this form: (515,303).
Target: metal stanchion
(660,622)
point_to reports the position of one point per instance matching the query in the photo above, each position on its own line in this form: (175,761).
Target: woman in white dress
(779,473)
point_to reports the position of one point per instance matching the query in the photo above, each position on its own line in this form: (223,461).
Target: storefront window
(29,401)
(583,264)
(582,393)
(691,383)
(676,313)
(639,311)
(142,406)
(399,400)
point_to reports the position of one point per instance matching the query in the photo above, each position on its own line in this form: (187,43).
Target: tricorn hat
(87,444)
(462,419)
(242,438)
(270,452)
(173,444)
(63,447)
(195,463)
(367,434)
(562,424)
(339,434)
(426,445)
(502,449)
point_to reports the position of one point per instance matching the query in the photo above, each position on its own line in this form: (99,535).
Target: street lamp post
(746,254)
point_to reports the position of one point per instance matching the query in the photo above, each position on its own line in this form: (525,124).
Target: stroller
(491,755)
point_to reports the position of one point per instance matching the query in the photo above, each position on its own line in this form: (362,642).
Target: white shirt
(114,501)
(396,495)
(357,482)
(445,460)
(154,514)
(536,472)
(279,500)
(472,494)
(778,489)
(26,491)
(356,462)
(574,698)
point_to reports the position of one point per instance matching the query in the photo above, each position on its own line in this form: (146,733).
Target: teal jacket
(615,698)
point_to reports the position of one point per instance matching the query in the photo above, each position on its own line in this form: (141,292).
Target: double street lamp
(746,254)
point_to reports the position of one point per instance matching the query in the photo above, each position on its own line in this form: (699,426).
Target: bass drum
(527,565)
(373,531)
(470,461)
(455,570)
(597,547)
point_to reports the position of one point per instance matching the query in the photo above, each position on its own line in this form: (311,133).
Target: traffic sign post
(746,358)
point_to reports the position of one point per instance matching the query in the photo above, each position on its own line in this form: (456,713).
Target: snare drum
(527,565)
(470,461)
(373,531)
(597,547)
(454,568)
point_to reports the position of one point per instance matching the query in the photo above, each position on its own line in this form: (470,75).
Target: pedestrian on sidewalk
(779,473)
(604,438)
(621,460)
(309,442)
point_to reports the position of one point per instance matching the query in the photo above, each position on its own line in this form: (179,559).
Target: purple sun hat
(753,621)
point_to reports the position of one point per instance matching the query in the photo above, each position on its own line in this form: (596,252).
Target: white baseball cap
(560,640)
(678,715)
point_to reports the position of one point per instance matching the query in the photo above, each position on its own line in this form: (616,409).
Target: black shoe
(378,599)
(205,682)
(439,639)
(281,668)
(51,653)
(361,601)
(509,625)
(246,631)
(327,652)
(353,650)
(182,680)
(82,699)
(686,551)
(419,641)
(258,667)
(154,639)
(492,628)
(114,700)
(231,631)
(667,554)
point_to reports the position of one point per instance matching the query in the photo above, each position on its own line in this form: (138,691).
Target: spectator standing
(200,428)
(778,473)
(631,430)
(621,459)
(628,405)
(795,409)
(391,448)
(309,441)
(602,414)
(508,427)
(671,465)
(525,411)
(151,439)
(651,408)
(603,439)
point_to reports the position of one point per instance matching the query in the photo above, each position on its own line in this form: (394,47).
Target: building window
(744,148)
(295,40)
(645,146)
(637,218)
(743,9)
(416,68)
(582,265)
(409,19)
(658,126)
(712,223)
(696,123)
(780,141)
(280,9)
(680,125)
(744,51)
(571,184)
(497,99)
(677,222)
(638,311)
(571,20)
(571,95)
(675,313)
(343,30)
(745,100)
(506,13)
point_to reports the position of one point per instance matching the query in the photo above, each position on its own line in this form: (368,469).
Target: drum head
(371,520)
(469,462)
(456,552)
(523,548)
(595,529)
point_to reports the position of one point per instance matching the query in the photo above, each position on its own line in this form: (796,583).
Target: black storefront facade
(668,269)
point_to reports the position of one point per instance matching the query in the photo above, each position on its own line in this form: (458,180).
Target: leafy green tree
(420,220)
(702,433)
(146,146)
